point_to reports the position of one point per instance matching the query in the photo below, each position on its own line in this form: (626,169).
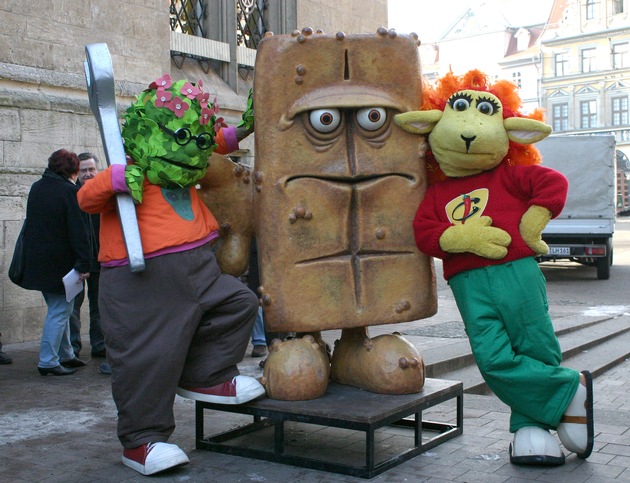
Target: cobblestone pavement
(63,429)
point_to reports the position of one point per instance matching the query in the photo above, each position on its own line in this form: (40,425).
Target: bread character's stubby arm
(227,191)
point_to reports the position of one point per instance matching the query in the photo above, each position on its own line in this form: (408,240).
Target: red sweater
(503,193)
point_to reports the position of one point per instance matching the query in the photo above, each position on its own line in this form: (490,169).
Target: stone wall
(349,16)
(44,105)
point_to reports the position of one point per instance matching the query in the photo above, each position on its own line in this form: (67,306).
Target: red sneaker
(152,458)
(239,390)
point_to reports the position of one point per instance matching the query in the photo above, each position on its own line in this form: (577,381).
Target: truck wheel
(604,263)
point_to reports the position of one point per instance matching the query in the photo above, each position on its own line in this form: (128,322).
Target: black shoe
(56,371)
(5,359)
(75,362)
(101,353)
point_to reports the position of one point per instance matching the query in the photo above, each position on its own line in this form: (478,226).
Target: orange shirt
(161,225)
(168,220)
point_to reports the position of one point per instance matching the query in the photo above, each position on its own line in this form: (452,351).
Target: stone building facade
(43,98)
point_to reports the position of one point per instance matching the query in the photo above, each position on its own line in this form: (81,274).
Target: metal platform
(343,407)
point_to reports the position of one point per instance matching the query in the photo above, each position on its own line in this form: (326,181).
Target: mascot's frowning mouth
(183,165)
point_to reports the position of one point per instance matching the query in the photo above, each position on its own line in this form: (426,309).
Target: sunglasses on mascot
(183,136)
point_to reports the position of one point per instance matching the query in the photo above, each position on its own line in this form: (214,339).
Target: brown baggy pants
(180,321)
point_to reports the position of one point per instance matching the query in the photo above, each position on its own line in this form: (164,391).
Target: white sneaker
(152,458)
(239,390)
(535,446)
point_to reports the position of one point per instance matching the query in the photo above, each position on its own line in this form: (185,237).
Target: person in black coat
(55,242)
(88,168)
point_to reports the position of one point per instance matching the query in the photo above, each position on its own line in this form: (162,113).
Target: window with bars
(187,16)
(224,34)
(251,23)
(194,18)
(588,111)
(560,116)
(620,111)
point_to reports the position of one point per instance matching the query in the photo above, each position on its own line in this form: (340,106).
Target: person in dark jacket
(88,168)
(55,242)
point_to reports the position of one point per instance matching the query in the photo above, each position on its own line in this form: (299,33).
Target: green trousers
(506,316)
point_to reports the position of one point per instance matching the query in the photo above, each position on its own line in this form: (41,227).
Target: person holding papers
(55,243)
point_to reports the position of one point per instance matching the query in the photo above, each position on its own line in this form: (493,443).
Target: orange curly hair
(436,96)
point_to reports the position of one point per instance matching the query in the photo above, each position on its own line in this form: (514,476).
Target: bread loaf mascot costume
(486,206)
(336,188)
(180,325)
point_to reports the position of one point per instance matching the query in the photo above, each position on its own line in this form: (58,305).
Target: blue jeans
(258,332)
(55,345)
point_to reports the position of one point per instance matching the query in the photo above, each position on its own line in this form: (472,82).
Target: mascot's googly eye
(461,105)
(460,101)
(487,106)
(371,118)
(325,120)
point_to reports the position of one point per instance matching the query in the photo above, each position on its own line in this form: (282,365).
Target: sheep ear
(523,130)
(418,122)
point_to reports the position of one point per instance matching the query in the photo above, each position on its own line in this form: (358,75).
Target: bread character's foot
(386,364)
(297,369)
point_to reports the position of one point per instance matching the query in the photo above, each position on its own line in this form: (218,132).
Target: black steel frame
(341,407)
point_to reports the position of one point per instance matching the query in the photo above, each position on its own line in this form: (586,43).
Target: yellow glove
(476,236)
(532,224)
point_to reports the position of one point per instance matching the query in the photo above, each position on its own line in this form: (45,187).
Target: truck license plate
(559,251)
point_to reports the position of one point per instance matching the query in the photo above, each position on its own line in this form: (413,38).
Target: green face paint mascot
(483,215)
(180,326)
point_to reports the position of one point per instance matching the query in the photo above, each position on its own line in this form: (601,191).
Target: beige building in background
(586,73)
(43,98)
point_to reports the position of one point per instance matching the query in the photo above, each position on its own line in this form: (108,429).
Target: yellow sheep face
(470,136)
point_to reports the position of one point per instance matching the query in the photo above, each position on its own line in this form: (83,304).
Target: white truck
(583,232)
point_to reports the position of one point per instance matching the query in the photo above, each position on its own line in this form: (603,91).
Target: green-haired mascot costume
(180,326)
(483,215)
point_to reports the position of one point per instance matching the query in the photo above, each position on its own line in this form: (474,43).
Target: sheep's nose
(468,140)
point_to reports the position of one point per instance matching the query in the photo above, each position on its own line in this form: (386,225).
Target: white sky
(430,18)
